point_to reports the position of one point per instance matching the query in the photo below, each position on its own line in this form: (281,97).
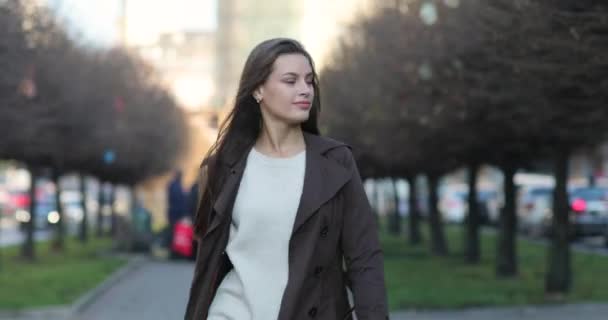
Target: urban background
(480,128)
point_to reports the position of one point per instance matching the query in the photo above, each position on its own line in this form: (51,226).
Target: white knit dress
(258,247)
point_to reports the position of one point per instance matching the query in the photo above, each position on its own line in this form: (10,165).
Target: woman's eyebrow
(296,75)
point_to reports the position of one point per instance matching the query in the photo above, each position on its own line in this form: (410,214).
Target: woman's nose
(305,89)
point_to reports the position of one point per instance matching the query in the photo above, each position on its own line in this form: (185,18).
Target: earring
(257,100)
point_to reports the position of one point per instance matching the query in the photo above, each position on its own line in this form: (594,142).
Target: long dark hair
(241,128)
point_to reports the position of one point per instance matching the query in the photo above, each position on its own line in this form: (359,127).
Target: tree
(88,111)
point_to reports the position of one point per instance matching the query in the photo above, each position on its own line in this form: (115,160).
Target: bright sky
(98,20)
(149,17)
(98,23)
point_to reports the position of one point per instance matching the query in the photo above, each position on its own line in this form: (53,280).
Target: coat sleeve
(361,248)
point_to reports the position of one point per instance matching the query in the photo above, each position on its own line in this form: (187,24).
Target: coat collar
(322,180)
(314,144)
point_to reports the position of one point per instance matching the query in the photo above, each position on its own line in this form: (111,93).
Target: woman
(283,223)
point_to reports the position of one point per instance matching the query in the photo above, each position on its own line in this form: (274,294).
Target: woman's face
(288,92)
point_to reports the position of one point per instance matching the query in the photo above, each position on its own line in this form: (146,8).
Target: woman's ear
(258,94)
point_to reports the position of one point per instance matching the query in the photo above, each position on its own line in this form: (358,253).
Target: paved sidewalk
(156,291)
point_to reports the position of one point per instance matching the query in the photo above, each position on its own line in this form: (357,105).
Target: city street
(591,245)
(11,235)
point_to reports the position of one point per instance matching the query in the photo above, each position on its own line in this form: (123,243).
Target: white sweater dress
(262,220)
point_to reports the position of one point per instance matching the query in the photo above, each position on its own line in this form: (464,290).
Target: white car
(453,206)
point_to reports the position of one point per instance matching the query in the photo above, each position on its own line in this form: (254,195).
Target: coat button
(324,232)
(318,271)
(312,312)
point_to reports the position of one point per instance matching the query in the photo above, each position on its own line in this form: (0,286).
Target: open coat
(334,242)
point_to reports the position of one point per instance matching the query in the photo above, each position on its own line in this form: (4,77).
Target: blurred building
(183,51)
(186,62)
(242,24)
(221,33)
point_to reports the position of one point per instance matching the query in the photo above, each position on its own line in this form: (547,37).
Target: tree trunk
(136,230)
(559,275)
(596,162)
(507,254)
(1,247)
(83,233)
(379,200)
(123,234)
(59,241)
(439,246)
(28,250)
(113,217)
(133,200)
(373,201)
(395,218)
(415,237)
(472,245)
(101,203)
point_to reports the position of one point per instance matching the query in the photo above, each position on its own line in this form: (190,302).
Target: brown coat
(334,243)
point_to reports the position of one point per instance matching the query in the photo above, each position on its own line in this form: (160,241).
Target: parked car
(489,206)
(454,205)
(4,203)
(589,211)
(534,210)
(45,215)
(45,212)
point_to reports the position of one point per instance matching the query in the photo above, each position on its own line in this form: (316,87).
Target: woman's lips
(303,104)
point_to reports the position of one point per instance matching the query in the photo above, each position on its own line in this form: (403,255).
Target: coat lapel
(228,192)
(322,180)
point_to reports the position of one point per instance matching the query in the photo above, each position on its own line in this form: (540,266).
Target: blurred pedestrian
(177,201)
(192,200)
(283,222)
(177,206)
(192,204)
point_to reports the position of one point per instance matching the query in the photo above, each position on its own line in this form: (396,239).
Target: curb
(43,313)
(531,311)
(70,312)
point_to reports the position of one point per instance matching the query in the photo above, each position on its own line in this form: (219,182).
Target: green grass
(418,280)
(54,278)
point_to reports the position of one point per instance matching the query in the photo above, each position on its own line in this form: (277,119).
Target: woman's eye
(290,81)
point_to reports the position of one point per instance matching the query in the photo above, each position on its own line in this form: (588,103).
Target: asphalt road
(11,235)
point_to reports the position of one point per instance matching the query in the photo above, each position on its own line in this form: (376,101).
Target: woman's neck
(280,141)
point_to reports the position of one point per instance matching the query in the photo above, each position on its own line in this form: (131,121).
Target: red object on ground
(183,234)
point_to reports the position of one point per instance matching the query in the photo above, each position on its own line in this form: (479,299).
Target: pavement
(154,291)
(150,289)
